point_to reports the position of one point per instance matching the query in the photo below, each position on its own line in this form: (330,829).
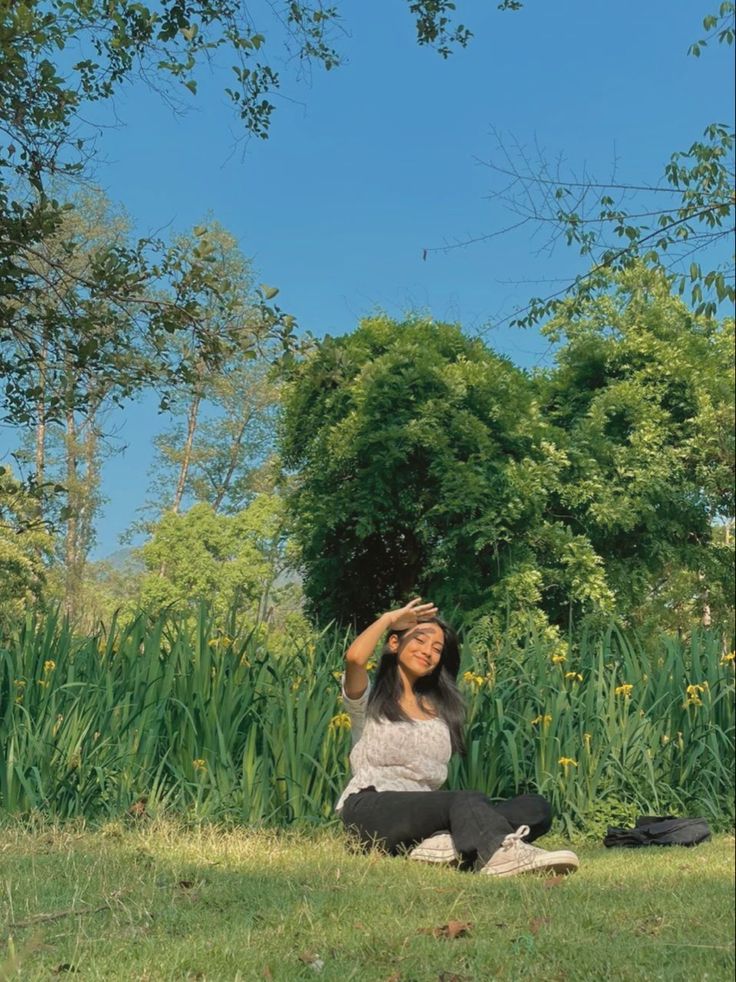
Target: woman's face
(420,649)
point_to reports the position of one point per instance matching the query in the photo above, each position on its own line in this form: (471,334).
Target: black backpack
(662,830)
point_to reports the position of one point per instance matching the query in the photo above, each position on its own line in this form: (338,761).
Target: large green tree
(425,463)
(231,561)
(642,402)
(223,416)
(25,547)
(404,438)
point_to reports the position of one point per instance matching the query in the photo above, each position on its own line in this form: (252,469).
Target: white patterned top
(404,756)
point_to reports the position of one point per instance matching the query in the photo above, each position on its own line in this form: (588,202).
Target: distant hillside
(124,559)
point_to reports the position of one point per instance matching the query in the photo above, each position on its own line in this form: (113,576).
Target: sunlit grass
(223,904)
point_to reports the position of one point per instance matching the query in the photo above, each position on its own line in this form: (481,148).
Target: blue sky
(371,163)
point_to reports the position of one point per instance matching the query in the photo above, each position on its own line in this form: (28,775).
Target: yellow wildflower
(574,676)
(57,724)
(729,658)
(567,762)
(49,666)
(624,690)
(339,722)
(43,683)
(337,676)
(473,680)
(586,739)
(244,663)
(20,683)
(199,765)
(370,666)
(544,720)
(693,694)
(559,659)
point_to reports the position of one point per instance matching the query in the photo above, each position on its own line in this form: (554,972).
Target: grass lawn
(161,902)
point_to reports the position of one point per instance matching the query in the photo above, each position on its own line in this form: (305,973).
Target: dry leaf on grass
(186,884)
(452,977)
(267,974)
(312,960)
(451,930)
(138,808)
(553,881)
(536,923)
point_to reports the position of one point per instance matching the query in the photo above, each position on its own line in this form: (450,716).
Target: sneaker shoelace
(515,838)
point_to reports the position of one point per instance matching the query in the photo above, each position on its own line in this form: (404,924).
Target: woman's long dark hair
(436,693)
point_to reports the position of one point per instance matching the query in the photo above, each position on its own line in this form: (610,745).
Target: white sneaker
(438,848)
(516,856)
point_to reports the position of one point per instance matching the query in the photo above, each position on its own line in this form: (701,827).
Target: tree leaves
(426,465)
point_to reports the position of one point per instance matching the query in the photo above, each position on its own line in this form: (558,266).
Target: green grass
(214,903)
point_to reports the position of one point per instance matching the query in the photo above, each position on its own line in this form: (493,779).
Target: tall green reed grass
(606,730)
(163,714)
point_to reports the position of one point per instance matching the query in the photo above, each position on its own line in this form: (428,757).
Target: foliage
(405,438)
(425,464)
(642,401)
(232,561)
(604,720)
(25,546)
(219,446)
(175,714)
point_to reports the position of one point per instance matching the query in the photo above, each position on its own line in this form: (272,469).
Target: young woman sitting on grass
(405,728)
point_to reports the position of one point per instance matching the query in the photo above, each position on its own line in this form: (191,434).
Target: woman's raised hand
(409,616)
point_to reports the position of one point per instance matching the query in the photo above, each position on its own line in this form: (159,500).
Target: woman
(404,730)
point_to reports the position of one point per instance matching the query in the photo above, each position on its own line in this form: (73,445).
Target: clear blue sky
(370,164)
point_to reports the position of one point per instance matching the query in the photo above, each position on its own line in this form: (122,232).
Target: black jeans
(397,820)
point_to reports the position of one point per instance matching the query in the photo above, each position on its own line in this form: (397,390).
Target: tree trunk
(40,456)
(70,539)
(88,490)
(187,458)
(232,464)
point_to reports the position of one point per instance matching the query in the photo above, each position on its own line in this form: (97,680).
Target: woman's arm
(360,651)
